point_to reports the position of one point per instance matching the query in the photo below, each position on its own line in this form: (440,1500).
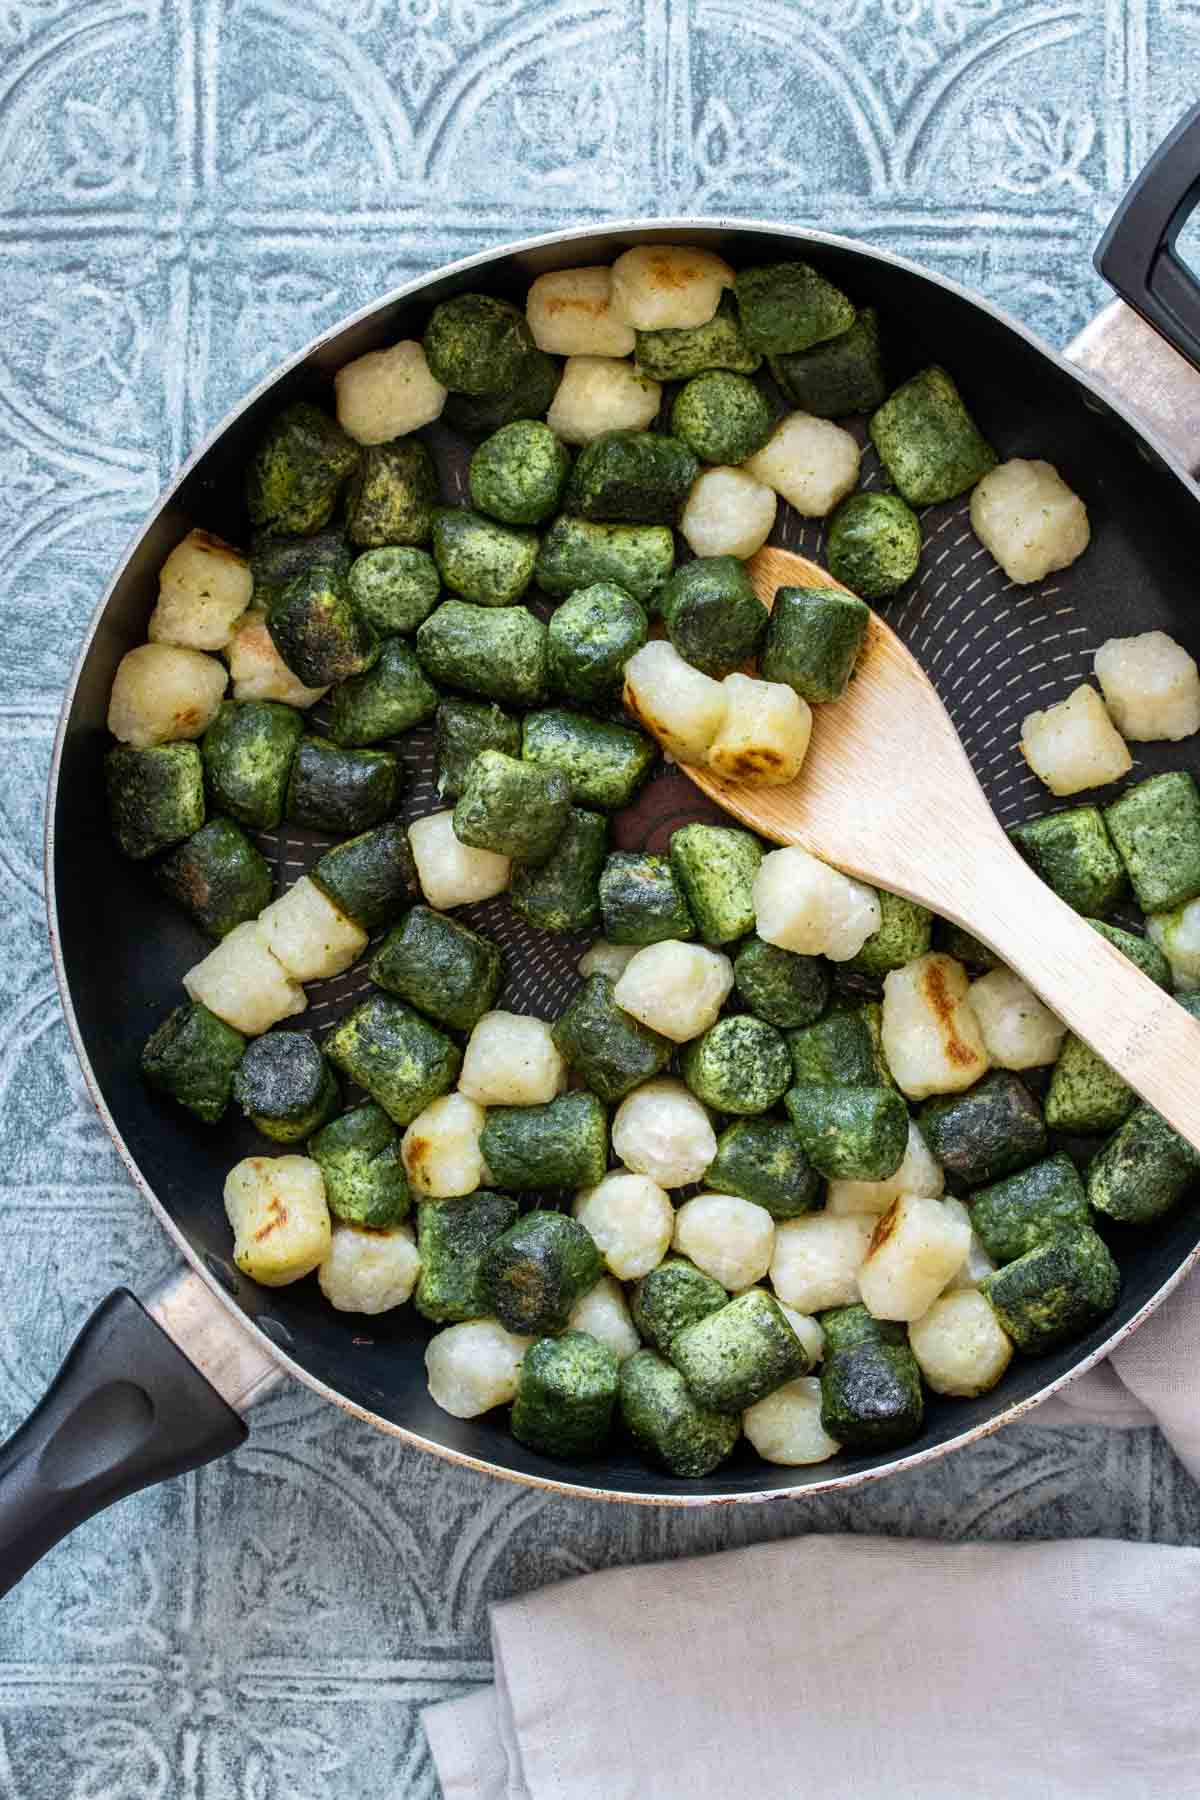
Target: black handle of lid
(126,1409)
(1137,253)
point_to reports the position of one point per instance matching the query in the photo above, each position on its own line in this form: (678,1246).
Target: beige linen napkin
(861,1668)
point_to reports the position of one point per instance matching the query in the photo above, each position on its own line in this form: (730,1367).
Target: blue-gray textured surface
(187,191)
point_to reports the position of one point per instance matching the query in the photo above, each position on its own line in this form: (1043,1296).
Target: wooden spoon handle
(1140,1031)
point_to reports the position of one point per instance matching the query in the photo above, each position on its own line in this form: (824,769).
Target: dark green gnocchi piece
(360,1160)
(534,1272)
(1142,1170)
(394,588)
(485,563)
(155,796)
(780,986)
(370,878)
(763,1160)
(440,966)
(339,790)
(873,544)
(603,763)
(592,636)
(740,1354)
(785,307)
(814,636)
(577,553)
(217,877)
(518,474)
(713,616)
(512,807)
(715,865)
(392,497)
(192,1058)
(671,1297)
(631,478)
(385,701)
(276,561)
(318,630)
(397,1056)
(477,416)
(562,894)
(928,442)
(964,946)
(851,1133)
(667,1423)
(679,353)
(1073,854)
(641,901)
(740,1065)
(1056,1291)
(285,1087)
(562,1144)
(248,751)
(990,1130)
(722,417)
(1084,1094)
(1025,1209)
(475,344)
(871,1396)
(1140,951)
(453,1237)
(300,466)
(464,728)
(845,374)
(608,1049)
(1155,826)
(905,931)
(497,652)
(844,1047)
(566,1393)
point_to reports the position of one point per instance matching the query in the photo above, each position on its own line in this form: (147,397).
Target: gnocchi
(1151,687)
(1074,745)
(368,1271)
(281,1226)
(661,1130)
(802,904)
(676,989)
(204,587)
(728,512)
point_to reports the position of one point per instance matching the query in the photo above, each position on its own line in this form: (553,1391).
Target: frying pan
(150,1391)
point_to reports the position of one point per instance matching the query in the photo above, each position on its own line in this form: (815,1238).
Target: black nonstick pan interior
(994,651)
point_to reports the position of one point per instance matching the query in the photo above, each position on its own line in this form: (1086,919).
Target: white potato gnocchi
(243,983)
(631,1220)
(728,513)
(307,934)
(816,1260)
(204,587)
(808,1330)
(919,1173)
(731,1239)
(452,873)
(1177,934)
(1018,1031)
(570,313)
(603,958)
(786,1427)
(387,393)
(811,462)
(679,705)
(979,1264)
(931,1037)
(960,1345)
(604,1314)
(512,1060)
(802,904)
(369,1271)
(917,1247)
(440,1149)
(281,1228)
(764,735)
(1151,687)
(599,394)
(668,287)
(1074,745)
(675,988)
(1026,516)
(473,1367)
(661,1130)
(258,670)
(162,693)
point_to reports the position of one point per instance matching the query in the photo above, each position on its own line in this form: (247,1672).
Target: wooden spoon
(887,795)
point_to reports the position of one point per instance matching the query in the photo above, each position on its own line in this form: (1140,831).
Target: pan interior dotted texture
(994,651)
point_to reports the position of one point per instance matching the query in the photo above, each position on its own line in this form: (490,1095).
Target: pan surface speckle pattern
(189,191)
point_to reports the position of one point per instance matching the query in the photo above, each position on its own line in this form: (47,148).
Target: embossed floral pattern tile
(188,190)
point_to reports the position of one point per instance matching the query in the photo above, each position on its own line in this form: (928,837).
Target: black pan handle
(126,1409)
(1137,254)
